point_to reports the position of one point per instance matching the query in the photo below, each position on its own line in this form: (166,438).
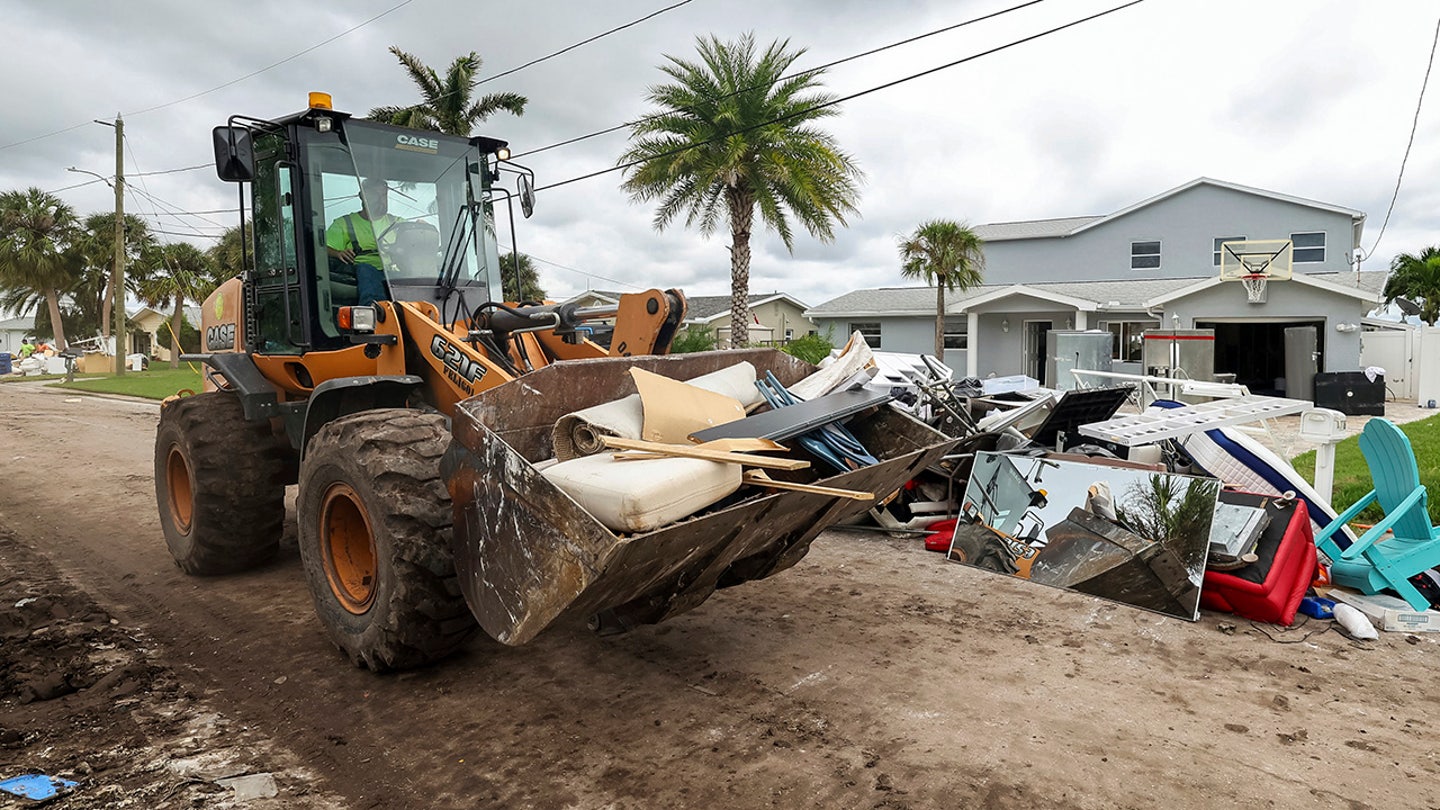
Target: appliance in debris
(1090,350)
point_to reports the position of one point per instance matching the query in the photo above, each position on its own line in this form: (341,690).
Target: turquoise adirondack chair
(1370,565)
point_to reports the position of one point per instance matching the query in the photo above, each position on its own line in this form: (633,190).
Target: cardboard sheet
(673,409)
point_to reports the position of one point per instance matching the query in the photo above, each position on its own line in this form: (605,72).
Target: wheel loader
(387,376)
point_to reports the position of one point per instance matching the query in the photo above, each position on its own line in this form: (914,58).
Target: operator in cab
(351,239)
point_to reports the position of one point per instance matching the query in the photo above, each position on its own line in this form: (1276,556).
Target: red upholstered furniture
(1270,589)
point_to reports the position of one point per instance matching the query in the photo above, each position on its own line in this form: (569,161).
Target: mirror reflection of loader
(357,396)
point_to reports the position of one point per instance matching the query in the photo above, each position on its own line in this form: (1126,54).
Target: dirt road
(873,674)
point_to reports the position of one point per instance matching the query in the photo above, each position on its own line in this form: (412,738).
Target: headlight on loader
(356,319)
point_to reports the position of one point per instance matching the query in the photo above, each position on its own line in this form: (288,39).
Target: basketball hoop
(1254,284)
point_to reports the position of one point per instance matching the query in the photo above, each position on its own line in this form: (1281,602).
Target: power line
(843,99)
(174,210)
(616,29)
(586,41)
(79,185)
(1413,126)
(173,171)
(790,77)
(583,273)
(249,75)
(194,235)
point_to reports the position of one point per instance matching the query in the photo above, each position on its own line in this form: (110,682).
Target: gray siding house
(1154,264)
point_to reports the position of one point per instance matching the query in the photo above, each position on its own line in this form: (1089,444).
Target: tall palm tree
(446,103)
(37,248)
(96,243)
(1418,279)
(732,135)
(947,254)
(177,272)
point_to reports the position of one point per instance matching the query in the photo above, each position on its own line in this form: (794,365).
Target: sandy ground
(873,674)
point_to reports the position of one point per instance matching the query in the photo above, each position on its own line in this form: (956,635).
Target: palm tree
(529,289)
(226,255)
(446,104)
(96,243)
(37,248)
(733,134)
(1416,277)
(947,254)
(177,272)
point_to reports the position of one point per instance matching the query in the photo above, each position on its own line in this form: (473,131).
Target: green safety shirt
(357,233)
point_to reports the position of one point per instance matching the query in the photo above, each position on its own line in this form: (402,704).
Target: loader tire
(219,484)
(375,529)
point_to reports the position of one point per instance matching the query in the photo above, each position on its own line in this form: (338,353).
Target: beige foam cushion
(638,496)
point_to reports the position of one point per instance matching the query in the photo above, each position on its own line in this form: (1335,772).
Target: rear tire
(375,532)
(219,484)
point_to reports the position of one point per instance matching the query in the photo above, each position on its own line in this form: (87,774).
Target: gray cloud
(1085,122)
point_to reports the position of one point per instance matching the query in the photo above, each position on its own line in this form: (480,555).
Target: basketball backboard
(1256,262)
(1264,257)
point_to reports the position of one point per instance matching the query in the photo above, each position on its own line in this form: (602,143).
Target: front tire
(375,529)
(219,484)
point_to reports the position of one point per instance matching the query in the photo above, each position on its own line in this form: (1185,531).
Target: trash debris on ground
(250,786)
(37,787)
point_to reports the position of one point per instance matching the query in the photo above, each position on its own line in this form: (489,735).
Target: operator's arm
(335,242)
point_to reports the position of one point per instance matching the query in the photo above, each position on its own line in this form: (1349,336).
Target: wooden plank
(759,478)
(688,451)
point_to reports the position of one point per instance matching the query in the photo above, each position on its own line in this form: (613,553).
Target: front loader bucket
(527,554)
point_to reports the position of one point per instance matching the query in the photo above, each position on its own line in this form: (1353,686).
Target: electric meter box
(1322,425)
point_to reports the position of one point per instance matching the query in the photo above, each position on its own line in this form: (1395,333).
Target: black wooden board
(792,420)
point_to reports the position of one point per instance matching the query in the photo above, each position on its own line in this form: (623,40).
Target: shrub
(811,348)
(693,339)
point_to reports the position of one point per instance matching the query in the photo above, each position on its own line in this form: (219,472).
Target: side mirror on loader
(234,154)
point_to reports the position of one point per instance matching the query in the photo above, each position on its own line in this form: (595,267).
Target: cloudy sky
(1313,98)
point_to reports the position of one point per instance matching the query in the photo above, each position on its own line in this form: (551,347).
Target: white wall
(1427,366)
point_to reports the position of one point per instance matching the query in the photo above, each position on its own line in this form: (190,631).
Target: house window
(789,335)
(1309,247)
(1220,240)
(1127,339)
(869,330)
(1144,255)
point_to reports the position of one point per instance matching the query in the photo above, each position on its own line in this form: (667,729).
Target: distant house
(1154,264)
(776,317)
(14,329)
(151,335)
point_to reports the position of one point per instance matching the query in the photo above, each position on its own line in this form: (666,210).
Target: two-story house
(1154,264)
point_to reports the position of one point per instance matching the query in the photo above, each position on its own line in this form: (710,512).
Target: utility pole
(117,276)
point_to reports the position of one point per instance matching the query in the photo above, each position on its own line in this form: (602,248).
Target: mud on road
(873,674)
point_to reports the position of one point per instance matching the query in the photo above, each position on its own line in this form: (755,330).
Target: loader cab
(436,241)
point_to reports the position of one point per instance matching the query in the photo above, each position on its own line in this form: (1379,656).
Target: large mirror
(1110,529)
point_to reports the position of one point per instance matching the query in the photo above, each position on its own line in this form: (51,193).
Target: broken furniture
(1269,589)
(1375,562)
(1109,528)
(1156,425)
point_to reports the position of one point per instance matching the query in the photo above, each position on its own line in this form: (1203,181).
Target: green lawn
(1352,476)
(156,383)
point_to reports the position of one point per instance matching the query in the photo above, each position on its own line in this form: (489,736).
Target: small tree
(947,254)
(1417,278)
(529,289)
(693,338)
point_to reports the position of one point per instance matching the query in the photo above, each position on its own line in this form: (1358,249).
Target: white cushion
(645,494)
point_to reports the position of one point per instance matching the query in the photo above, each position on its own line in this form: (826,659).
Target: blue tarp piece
(36,786)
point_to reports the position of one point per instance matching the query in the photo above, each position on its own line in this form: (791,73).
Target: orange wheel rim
(348,546)
(181,494)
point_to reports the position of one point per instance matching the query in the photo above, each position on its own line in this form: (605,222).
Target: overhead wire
(842,99)
(583,42)
(1414,125)
(791,77)
(566,49)
(249,75)
(584,273)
